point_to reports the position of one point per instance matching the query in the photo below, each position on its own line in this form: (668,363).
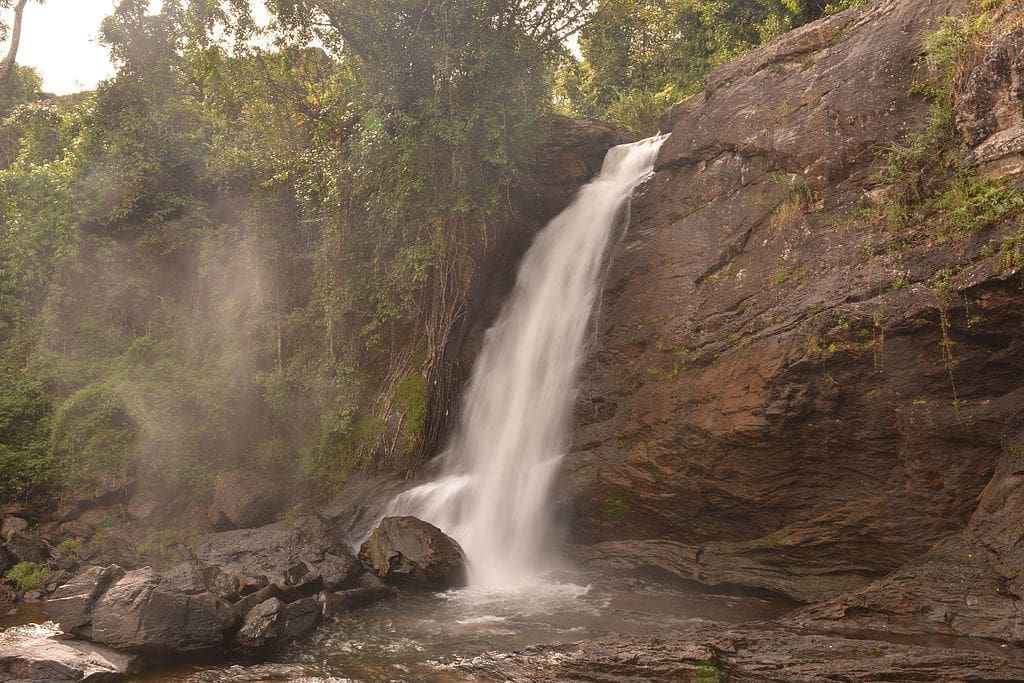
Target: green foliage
(709,672)
(639,56)
(93,438)
(23,86)
(28,575)
(928,185)
(411,399)
(842,5)
(1011,253)
(974,203)
(614,508)
(157,548)
(343,443)
(26,467)
(71,548)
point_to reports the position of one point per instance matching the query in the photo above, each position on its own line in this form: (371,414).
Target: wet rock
(245,500)
(144,507)
(25,547)
(273,623)
(335,604)
(116,544)
(412,553)
(299,553)
(261,627)
(136,613)
(84,525)
(245,605)
(28,656)
(755,653)
(300,618)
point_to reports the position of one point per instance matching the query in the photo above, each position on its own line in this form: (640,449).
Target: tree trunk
(7,66)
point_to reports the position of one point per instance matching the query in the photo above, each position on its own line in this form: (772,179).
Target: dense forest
(249,246)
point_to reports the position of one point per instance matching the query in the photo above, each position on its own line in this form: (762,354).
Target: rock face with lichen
(785,395)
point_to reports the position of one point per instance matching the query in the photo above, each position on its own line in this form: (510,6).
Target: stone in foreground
(411,553)
(28,654)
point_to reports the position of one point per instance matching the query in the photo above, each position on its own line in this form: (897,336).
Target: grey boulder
(411,553)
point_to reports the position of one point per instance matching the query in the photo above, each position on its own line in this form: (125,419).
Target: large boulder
(139,614)
(26,547)
(409,552)
(302,555)
(243,500)
(71,604)
(26,655)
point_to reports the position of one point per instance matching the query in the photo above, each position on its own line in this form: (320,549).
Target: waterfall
(504,457)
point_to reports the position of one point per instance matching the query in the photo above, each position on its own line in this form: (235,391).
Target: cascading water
(513,431)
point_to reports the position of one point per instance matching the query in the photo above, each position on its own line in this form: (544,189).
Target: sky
(59,39)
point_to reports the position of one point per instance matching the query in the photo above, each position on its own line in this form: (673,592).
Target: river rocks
(770,398)
(302,554)
(253,589)
(410,552)
(273,623)
(29,656)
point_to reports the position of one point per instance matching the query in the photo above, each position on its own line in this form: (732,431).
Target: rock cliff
(785,394)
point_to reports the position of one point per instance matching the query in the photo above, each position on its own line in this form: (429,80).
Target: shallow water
(419,638)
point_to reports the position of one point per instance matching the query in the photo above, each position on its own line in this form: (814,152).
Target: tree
(640,56)
(7,65)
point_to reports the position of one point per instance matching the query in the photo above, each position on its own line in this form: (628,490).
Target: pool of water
(420,637)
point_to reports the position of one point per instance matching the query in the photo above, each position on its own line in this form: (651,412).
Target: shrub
(29,575)
(93,437)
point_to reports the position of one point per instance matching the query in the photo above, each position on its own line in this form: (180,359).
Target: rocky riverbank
(247,591)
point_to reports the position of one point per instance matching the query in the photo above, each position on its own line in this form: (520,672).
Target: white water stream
(503,459)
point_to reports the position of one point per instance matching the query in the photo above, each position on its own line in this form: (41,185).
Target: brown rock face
(990,107)
(761,653)
(779,396)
